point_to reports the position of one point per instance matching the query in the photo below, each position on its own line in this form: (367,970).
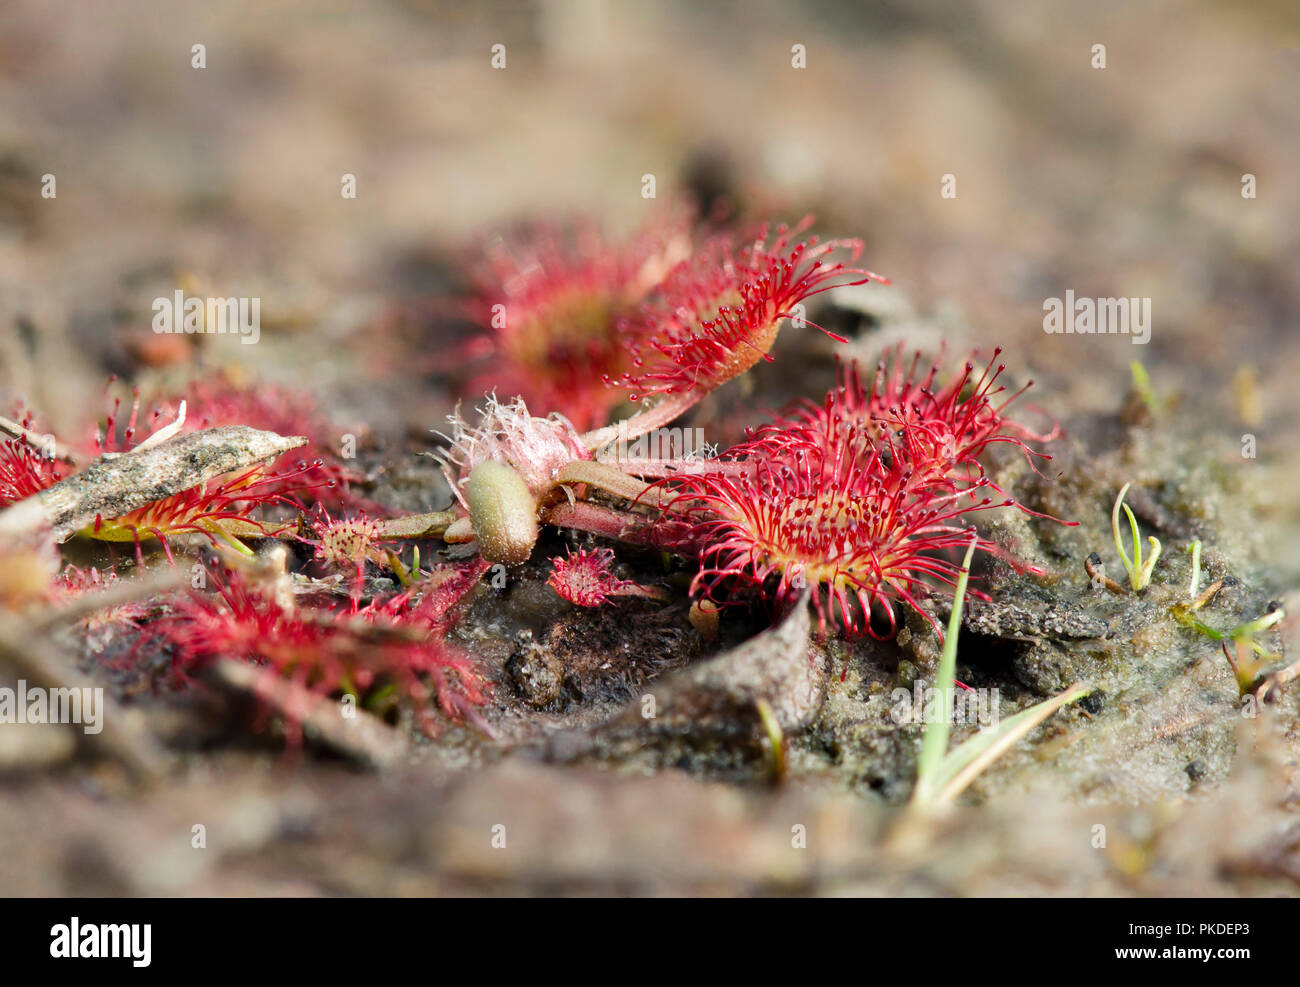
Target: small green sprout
(1242,632)
(1139,573)
(407,577)
(1195,549)
(1246,670)
(1258,625)
(1142,384)
(775,740)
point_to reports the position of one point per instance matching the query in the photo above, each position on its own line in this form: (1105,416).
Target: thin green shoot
(1142,384)
(1242,632)
(934,743)
(775,739)
(1139,572)
(967,760)
(942,775)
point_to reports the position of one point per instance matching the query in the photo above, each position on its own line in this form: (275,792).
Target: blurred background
(1117,181)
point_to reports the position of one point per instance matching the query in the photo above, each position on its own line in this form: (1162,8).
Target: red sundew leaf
(433,602)
(719,313)
(107,440)
(75,582)
(347,541)
(859,497)
(584,578)
(561,312)
(221,510)
(24,470)
(445,589)
(217,401)
(935,432)
(832,516)
(323,653)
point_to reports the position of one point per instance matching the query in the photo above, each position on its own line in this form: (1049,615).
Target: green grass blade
(1142,384)
(1119,542)
(1137,548)
(969,758)
(934,742)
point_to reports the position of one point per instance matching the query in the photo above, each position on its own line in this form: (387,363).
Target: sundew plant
(864,498)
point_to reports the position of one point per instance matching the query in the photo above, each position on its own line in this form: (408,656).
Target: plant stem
(417,525)
(661,468)
(1196,568)
(605,521)
(669,408)
(610,479)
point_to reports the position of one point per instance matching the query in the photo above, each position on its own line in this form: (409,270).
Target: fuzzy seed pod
(503,513)
(704,618)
